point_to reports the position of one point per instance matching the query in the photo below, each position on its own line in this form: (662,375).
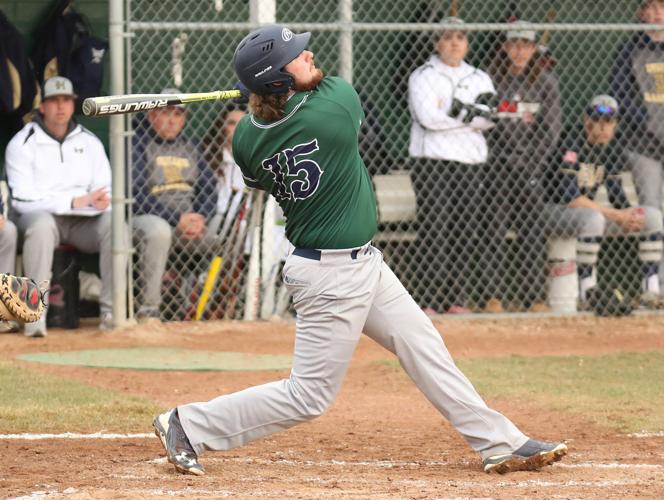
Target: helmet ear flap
(281,84)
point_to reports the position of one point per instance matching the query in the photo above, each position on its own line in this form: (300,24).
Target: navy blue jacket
(579,169)
(153,188)
(632,83)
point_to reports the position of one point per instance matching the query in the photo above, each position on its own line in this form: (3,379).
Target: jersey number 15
(288,188)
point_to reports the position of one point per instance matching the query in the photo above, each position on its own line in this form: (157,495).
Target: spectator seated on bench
(590,157)
(60,180)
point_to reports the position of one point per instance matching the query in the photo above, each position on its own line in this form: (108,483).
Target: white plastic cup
(563,281)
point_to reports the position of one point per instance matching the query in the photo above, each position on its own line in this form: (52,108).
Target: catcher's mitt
(21,299)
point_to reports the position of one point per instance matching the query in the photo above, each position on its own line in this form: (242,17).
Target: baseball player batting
(301,145)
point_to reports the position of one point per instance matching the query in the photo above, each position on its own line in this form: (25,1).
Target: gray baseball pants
(336,298)
(153,237)
(590,226)
(564,221)
(647,175)
(42,232)
(8,236)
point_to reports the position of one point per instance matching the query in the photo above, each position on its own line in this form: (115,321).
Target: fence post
(117,158)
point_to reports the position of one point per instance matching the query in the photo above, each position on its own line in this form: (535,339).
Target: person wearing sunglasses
(589,157)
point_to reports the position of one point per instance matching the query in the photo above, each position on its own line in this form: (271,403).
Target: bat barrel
(134,103)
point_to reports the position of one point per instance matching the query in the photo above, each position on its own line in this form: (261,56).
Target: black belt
(313,254)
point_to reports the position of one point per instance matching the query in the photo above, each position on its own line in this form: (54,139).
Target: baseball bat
(267,258)
(252,293)
(237,259)
(550,18)
(225,236)
(133,103)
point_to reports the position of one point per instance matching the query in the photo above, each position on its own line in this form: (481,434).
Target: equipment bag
(63,309)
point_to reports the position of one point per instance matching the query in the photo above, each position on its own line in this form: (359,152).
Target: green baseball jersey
(310,162)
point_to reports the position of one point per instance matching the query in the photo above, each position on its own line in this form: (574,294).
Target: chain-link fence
(515,149)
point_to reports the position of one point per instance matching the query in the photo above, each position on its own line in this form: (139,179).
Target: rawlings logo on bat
(132,106)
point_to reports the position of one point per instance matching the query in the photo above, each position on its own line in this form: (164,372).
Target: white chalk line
(76,435)
(646,434)
(380,464)
(419,484)
(103,435)
(605,483)
(593,465)
(387,464)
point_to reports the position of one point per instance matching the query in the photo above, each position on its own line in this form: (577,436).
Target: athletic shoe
(9,326)
(106,321)
(179,451)
(493,306)
(429,311)
(531,456)
(651,301)
(539,307)
(36,329)
(148,315)
(456,309)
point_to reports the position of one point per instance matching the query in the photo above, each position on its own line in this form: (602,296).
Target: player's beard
(312,84)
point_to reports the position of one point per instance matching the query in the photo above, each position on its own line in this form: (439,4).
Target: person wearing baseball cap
(602,107)
(448,151)
(520,32)
(528,131)
(60,178)
(175,198)
(58,86)
(591,156)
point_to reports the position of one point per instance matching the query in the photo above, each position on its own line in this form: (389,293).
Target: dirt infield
(380,438)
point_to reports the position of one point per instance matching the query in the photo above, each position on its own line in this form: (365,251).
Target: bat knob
(89,107)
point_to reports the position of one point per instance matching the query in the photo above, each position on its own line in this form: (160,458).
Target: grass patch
(36,402)
(621,391)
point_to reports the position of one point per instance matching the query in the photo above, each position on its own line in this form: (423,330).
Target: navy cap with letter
(260,58)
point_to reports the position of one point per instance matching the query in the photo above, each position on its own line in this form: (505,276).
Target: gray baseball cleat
(179,451)
(531,456)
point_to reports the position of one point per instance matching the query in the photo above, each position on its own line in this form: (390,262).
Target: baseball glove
(21,299)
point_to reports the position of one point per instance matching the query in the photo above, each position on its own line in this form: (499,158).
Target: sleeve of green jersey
(238,154)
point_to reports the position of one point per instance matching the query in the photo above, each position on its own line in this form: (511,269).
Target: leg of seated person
(41,235)
(650,250)
(91,235)
(647,175)
(8,236)
(588,226)
(153,237)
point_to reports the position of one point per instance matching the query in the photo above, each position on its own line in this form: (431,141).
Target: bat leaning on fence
(253,288)
(229,236)
(133,103)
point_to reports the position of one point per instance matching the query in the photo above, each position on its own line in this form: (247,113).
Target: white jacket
(435,134)
(45,174)
(229,182)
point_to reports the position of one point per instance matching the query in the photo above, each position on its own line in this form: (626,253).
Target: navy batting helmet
(260,58)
